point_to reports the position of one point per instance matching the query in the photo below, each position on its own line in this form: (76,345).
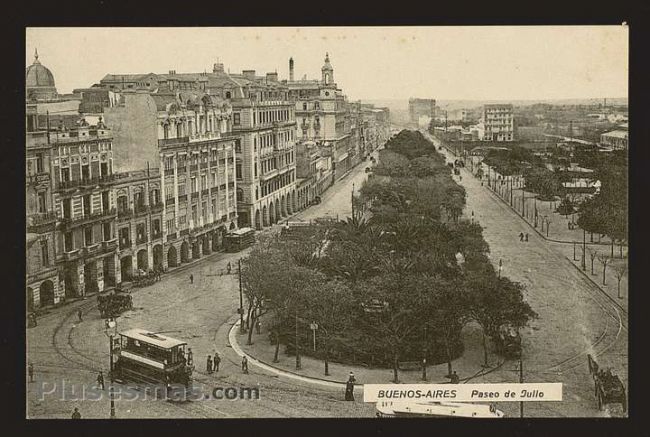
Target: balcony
(125,243)
(269,174)
(172,142)
(85,183)
(125,213)
(87,218)
(194,168)
(70,255)
(109,245)
(156,236)
(184,232)
(195,195)
(182,198)
(41,220)
(156,207)
(39,179)
(91,249)
(205,136)
(171,237)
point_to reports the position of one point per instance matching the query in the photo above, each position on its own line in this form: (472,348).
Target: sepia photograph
(326,222)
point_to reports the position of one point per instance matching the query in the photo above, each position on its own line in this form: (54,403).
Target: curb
(232,342)
(595,284)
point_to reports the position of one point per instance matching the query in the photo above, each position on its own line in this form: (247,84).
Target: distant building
(421,108)
(617,139)
(498,122)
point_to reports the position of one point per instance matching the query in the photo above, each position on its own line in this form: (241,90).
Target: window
(65,174)
(140,233)
(181,189)
(42,202)
(155,225)
(125,239)
(155,196)
(228,95)
(86,205)
(238,146)
(85,172)
(194,185)
(304,106)
(107,231)
(45,254)
(204,210)
(194,213)
(122,203)
(316,105)
(236,119)
(68,242)
(170,225)
(257,193)
(238,171)
(88,235)
(39,163)
(255,168)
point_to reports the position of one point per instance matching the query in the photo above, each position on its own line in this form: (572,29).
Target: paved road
(575,317)
(63,349)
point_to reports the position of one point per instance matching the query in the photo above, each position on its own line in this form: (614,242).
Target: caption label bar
(509,392)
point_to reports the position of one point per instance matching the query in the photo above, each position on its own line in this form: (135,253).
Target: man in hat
(79,314)
(209,364)
(30,371)
(244,364)
(76,414)
(454,378)
(100,380)
(349,387)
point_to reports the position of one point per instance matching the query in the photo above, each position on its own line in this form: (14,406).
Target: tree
(331,307)
(495,301)
(593,253)
(604,260)
(620,271)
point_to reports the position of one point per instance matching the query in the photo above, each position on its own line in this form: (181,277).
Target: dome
(37,75)
(39,81)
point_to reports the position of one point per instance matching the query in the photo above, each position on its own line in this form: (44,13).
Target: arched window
(228,95)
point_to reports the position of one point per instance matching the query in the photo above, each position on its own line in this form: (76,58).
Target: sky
(370,63)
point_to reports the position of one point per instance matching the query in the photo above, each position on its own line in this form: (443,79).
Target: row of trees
(397,287)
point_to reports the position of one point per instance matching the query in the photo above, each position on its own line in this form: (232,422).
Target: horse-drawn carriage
(114,304)
(608,386)
(508,341)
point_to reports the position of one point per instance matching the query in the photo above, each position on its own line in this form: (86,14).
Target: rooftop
(159,340)
(616,134)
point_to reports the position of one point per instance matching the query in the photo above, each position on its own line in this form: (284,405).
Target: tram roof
(152,338)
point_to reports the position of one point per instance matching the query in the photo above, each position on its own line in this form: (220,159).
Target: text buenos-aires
(416,394)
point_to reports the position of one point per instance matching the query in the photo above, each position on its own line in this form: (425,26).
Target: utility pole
(521,381)
(297,352)
(584,249)
(241,301)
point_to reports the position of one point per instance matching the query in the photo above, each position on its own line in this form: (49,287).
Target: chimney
(217,68)
(249,74)
(291,69)
(272,77)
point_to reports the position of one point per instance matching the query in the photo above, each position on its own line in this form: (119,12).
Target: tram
(437,409)
(153,358)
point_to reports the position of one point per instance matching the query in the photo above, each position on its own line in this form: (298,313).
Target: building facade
(617,139)
(324,116)
(421,108)
(498,123)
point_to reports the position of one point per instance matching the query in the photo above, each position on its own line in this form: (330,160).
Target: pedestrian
(76,414)
(217,361)
(229,267)
(209,364)
(30,371)
(349,387)
(244,364)
(100,380)
(258,326)
(189,356)
(454,378)
(79,314)
(191,278)
(526,237)
(521,236)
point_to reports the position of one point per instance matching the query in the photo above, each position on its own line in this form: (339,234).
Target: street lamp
(314,326)
(110,330)
(500,267)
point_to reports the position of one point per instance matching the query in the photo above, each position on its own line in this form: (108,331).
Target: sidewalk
(261,353)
